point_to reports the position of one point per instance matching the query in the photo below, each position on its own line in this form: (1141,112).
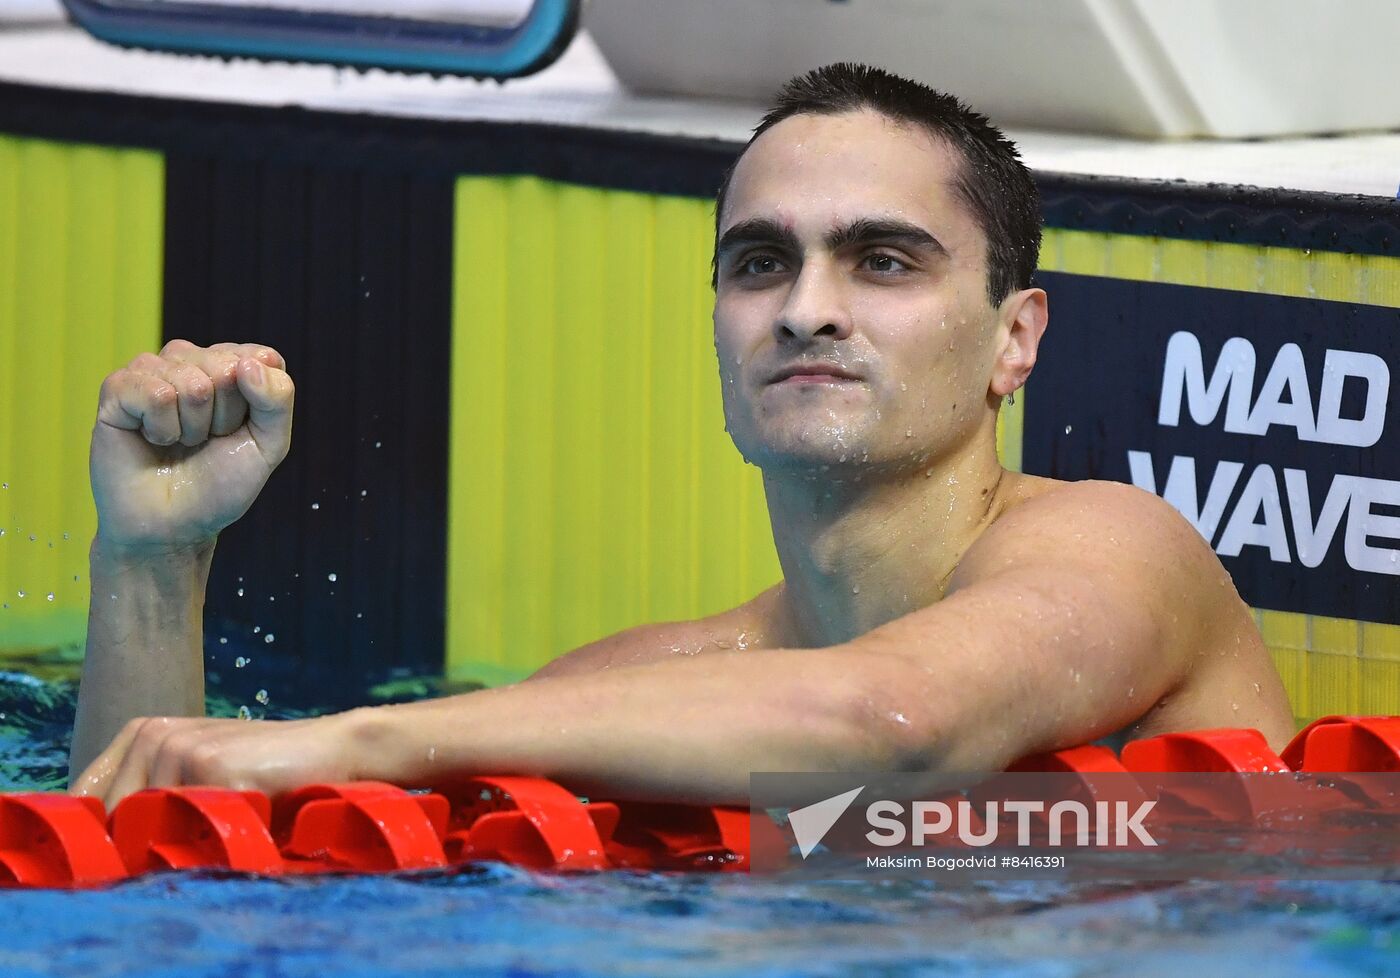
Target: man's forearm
(688,730)
(145,647)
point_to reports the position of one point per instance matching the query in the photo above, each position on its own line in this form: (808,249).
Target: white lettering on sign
(1271,502)
(1259,516)
(1285,397)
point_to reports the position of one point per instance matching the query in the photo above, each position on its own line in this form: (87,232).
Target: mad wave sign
(1266,421)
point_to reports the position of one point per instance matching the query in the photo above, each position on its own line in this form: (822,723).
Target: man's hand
(184,442)
(249,755)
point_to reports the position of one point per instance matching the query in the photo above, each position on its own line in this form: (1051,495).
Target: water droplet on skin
(1235,707)
(261,696)
(855,589)
(1258,688)
(331,578)
(908,432)
(268,638)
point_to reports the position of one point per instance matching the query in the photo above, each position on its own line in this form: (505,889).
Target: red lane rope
(58,841)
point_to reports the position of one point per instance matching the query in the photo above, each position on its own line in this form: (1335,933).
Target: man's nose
(816,307)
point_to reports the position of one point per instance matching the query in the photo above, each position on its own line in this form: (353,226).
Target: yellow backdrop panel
(593,486)
(81,231)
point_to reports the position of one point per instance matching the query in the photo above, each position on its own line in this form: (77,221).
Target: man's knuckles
(206,762)
(179,348)
(157,392)
(193,384)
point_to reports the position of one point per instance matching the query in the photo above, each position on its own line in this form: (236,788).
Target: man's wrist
(126,554)
(161,567)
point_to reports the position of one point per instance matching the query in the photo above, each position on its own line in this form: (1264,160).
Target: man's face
(851,316)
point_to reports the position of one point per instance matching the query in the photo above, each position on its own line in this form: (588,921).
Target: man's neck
(857,554)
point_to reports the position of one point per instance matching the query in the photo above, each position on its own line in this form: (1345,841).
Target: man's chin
(812,455)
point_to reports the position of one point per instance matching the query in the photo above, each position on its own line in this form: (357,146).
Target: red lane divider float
(58,841)
(366,827)
(1346,744)
(55,841)
(527,822)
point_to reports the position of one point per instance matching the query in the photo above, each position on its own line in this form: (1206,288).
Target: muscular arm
(1069,619)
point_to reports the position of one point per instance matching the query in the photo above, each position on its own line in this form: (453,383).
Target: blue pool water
(498,921)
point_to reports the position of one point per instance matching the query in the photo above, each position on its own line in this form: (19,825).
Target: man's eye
(760,265)
(884,263)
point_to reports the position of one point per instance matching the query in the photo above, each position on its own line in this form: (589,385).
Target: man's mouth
(812,373)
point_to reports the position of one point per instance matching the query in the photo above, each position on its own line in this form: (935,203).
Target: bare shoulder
(1132,548)
(1096,526)
(756,624)
(1115,549)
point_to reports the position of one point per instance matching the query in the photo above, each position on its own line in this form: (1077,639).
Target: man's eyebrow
(758,231)
(887,230)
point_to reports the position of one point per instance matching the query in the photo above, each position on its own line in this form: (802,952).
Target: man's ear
(1023,318)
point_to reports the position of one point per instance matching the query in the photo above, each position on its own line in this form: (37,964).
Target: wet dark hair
(993,182)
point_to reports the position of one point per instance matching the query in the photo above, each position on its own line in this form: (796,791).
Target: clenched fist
(185,440)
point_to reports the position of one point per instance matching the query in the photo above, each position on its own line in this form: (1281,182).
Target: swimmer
(874,308)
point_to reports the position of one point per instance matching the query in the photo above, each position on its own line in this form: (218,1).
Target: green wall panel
(81,231)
